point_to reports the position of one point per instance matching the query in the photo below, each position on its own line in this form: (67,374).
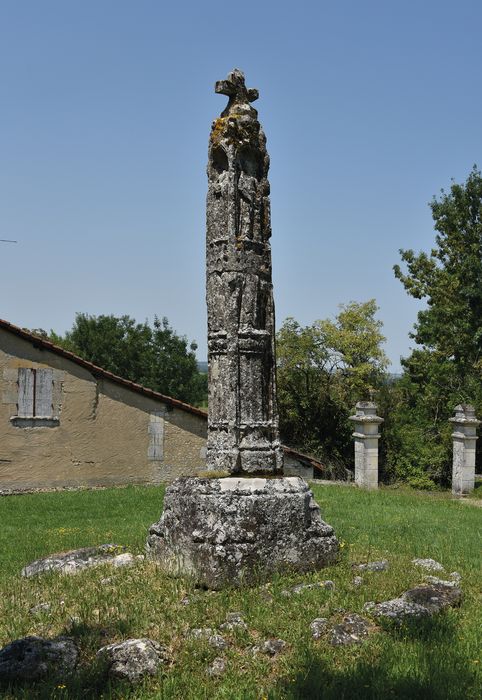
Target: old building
(66,423)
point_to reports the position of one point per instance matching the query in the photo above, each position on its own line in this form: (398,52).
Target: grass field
(437,659)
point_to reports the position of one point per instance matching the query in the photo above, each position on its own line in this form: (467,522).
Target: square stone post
(366,444)
(464,438)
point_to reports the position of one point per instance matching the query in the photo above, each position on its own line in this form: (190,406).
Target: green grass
(437,659)
(477,492)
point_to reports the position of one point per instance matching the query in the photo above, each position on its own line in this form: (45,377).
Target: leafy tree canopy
(323,369)
(154,356)
(450,277)
(446,367)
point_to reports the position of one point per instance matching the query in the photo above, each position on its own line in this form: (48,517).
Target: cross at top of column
(235,88)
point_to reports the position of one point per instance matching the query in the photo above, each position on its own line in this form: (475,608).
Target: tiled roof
(43,344)
(96,371)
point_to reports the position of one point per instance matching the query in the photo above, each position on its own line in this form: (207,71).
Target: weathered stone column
(241,527)
(242,413)
(366,444)
(464,438)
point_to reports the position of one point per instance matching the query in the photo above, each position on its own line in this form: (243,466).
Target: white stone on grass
(76,560)
(318,627)
(440,582)
(233,620)
(421,601)
(271,647)
(217,668)
(381,565)
(353,630)
(40,608)
(133,659)
(209,635)
(429,564)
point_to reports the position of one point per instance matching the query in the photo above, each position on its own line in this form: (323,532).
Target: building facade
(65,422)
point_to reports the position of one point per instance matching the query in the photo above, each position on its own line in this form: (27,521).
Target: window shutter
(43,393)
(25,391)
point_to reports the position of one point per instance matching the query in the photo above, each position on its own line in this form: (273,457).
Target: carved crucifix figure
(243,420)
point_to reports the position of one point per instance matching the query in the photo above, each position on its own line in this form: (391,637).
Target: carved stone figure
(243,420)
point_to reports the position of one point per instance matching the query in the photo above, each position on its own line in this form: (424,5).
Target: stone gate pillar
(464,438)
(366,444)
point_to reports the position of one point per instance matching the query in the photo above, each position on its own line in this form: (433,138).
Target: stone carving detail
(243,420)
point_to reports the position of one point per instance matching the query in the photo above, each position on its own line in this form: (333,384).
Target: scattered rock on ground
(271,647)
(353,630)
(217,667)
(318,627)
(233,620)
(396,609)
(301,587)
(185,601)
(435,597)
(373,566)
(133,659)
(357,581)
(78,559)
(435,580)
(456,576)
(125,559)
(40,608)
(208,634)
(217,641)
(421,601)
(31,658)
(429,564)
(266,596)
(200,633)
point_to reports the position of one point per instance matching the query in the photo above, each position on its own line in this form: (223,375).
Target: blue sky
(370,108)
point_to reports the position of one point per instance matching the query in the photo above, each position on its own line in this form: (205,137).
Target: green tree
(450,278)
(155,357)
(446,368)
(323,369)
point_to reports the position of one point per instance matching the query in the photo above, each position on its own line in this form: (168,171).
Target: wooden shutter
(25,391)
(43,393)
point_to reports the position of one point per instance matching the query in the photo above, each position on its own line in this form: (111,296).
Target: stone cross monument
(243,420)
(242,528)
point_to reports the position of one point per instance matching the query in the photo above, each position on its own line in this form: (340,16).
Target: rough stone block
(239,530)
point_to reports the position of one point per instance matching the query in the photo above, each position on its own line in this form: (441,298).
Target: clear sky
(370,108)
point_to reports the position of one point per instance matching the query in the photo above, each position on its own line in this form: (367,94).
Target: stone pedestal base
(234,531)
